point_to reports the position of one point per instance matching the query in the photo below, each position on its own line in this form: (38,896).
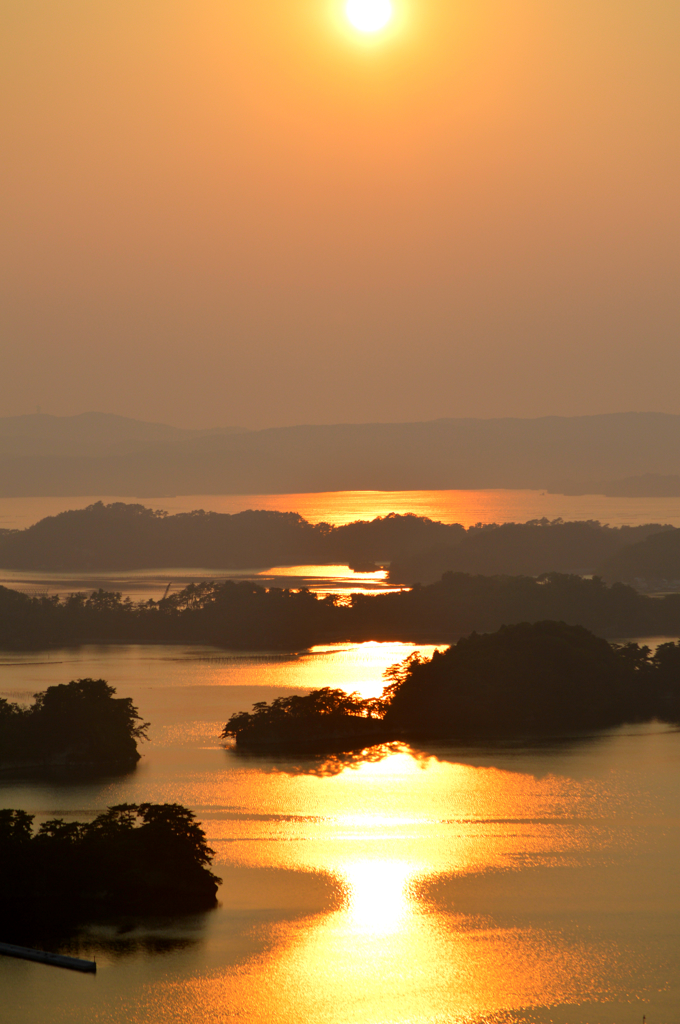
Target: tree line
(247,616)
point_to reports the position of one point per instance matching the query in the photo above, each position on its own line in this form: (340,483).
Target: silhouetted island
(120,537)
(80,724)
(135,859)
(545,679)
(124,537)
(525,680)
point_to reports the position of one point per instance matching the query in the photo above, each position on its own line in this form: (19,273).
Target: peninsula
(529,680)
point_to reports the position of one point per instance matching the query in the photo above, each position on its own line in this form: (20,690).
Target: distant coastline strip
(72,963)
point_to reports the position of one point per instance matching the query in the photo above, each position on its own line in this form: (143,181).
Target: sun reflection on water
(377,894)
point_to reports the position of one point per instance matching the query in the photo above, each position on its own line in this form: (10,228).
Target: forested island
(244,616)
(126,537)
(135,859)
(529,680)
(81,724)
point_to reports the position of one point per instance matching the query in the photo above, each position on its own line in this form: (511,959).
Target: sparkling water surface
(394,886)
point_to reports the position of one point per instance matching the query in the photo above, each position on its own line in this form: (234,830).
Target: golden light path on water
(397,948)
(155,674)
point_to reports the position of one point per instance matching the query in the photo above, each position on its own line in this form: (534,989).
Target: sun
(369,15)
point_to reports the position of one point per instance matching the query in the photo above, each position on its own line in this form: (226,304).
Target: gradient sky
(240,212)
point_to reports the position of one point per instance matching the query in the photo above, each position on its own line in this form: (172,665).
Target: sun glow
(369,15)
(378,895)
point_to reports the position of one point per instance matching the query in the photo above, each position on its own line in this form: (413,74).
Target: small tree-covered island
(529,680)
(136,859)
(81,724)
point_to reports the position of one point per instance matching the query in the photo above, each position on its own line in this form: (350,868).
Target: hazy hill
(92,434)
(525,549)
(111,455)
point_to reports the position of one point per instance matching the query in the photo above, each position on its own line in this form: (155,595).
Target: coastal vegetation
(77,724)
(526,680)
(135,859)
(244,616)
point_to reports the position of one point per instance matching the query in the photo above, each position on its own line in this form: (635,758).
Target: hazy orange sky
(242,212)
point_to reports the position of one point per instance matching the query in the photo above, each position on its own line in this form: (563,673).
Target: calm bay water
(401,887)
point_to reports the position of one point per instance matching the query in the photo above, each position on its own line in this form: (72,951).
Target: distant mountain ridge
(97,454)
(90,435)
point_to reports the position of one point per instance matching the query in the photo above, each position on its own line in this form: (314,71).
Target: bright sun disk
(369,15)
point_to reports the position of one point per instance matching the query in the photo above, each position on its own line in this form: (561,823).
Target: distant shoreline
(490,504)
